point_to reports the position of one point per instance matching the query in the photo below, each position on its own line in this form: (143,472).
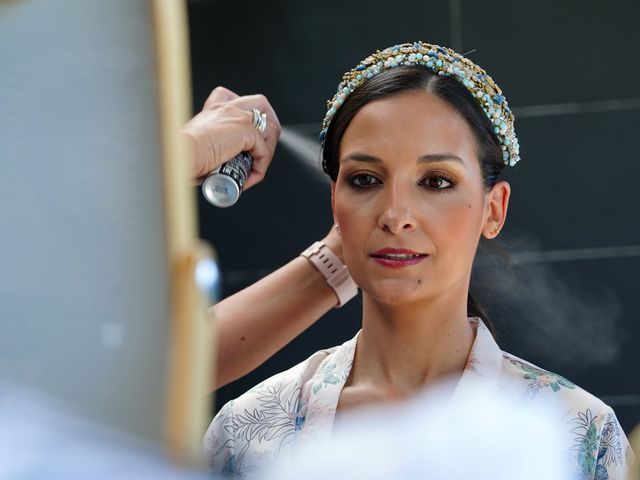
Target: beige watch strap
(333,270)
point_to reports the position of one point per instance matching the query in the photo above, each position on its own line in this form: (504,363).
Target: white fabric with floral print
(297,406)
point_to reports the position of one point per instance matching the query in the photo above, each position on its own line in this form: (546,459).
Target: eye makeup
(362,180)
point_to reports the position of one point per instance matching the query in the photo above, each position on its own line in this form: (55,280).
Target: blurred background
(561,282)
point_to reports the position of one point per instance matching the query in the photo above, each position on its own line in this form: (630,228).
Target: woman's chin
(395,292)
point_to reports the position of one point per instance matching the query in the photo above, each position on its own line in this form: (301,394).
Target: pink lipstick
(397,257)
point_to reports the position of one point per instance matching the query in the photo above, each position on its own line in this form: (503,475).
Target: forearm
(256,322)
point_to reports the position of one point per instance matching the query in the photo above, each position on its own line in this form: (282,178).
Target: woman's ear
(496,204)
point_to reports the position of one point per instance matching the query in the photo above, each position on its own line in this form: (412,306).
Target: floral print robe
(299,405)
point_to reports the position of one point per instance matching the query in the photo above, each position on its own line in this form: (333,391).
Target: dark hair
(410,78)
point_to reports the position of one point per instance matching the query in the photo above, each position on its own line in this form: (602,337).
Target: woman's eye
(363,180)
(437,183)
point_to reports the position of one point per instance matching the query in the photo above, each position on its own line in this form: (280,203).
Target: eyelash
(353,178)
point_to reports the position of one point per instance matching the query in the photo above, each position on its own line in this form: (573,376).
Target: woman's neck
(402,348)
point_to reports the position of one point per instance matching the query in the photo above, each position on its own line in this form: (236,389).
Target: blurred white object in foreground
(483,436)
(39,439)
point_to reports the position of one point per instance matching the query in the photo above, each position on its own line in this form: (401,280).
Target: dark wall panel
(556,51)
(577,183)
(295,52)
(573,192)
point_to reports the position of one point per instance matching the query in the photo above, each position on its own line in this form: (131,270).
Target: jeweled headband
(441,61)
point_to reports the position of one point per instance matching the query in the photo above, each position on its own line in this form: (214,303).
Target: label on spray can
(223,186)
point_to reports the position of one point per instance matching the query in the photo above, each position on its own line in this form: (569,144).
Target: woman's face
(410,199)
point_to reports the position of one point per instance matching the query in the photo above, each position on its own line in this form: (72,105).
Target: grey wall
(84,283)
(567,297)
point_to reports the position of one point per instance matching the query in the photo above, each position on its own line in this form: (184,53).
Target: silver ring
(259,120)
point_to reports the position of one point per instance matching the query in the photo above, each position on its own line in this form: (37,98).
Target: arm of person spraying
(253,324)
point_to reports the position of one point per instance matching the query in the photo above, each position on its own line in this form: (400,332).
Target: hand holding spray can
(223,186)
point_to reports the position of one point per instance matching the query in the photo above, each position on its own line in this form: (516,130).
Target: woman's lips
(397,257)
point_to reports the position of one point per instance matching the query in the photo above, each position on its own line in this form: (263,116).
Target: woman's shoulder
(535,381)
(285,387)
(255,426)
(580,411)
(535,377)
(525,380)
(599,445)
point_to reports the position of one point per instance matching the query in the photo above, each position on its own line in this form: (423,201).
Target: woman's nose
(397,213)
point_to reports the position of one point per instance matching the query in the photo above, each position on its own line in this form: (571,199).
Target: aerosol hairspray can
(223,186)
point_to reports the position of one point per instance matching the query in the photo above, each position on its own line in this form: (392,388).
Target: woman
(414,141)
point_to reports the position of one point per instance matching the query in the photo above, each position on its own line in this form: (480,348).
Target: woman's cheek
(352,228)
(349,225)
(458,228)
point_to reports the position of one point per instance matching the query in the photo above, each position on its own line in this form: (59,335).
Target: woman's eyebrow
(428,158)
(361,157)
(439,157)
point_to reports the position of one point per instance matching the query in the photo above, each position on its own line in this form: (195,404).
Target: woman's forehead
(412,121)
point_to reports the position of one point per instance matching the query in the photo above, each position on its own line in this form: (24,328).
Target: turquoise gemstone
(419,56)
(345,90)
(439,63)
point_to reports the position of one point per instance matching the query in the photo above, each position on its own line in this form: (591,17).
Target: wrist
(334,242)
(334,271)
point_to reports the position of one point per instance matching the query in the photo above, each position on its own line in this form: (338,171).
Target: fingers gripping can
(223,186)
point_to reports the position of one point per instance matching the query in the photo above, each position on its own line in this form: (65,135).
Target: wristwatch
(333,270)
